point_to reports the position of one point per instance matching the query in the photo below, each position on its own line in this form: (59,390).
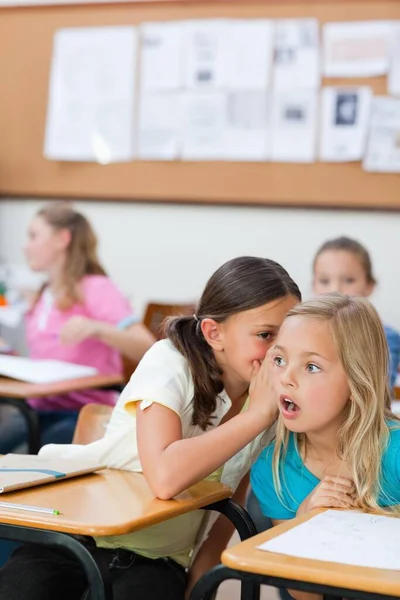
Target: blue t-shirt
(393,340)
(297,482)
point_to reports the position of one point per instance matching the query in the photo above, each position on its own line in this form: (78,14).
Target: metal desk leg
(98,589)
(32,422)
(209,583)
(246,529)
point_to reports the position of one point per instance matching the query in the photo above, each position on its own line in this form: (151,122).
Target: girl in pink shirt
(78,316)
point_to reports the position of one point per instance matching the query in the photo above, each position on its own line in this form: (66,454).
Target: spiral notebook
(18,471)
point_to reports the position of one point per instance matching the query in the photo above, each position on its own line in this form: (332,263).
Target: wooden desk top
(246,557)
(13,388)
(110,502)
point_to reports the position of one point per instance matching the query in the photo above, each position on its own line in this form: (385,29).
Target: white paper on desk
(394,66)
(11,316)
(42,371)
(247,54)
(160,125)
(294,126)
(226,126)
(296,54)
(91,96)
(205,54)
(383,148)
(345,114)
(347,537)
(162,54)
(356,49)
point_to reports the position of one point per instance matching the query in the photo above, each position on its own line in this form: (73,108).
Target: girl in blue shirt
(337,442)
(344,265)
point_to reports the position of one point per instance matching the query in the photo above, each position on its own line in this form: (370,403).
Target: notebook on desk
(18,471)
(42,371)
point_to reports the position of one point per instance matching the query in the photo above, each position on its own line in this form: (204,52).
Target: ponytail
(187,337)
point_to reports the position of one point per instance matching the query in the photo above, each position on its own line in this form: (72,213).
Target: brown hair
(349,245)
(362,349)
(240,284)
(82,256)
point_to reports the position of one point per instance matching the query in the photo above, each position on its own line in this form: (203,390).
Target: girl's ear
(212,333)
(370,289)
(64,238)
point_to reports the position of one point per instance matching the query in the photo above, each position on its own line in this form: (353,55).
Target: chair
(92,423)
(156,314)
(153,319)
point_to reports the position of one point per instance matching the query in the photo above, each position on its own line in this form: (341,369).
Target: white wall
(167,252)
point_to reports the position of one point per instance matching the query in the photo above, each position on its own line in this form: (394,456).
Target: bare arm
(133,342)
(172,464)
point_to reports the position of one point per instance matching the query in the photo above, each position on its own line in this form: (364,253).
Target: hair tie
(195,317)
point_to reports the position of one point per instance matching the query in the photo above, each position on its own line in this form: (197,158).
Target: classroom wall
(167,252)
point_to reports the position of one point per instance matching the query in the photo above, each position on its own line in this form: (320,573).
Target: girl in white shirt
(182,418)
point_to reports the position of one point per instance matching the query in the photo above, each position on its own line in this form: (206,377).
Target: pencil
(48,511)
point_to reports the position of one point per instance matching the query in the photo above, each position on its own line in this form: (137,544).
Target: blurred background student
(78,316)
(344,265)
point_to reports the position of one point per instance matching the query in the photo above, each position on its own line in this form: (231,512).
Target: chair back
(156,314)
(92,423)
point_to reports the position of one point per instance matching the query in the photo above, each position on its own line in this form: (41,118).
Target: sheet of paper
(160,125)
(394,66)
(294,126)
(370,540)
(162,53)
(247,54)
(383,148)
(356,49)
(90,113)
(204,54)
(296,54)
(345,114)
(226,126)
(42,371)
(11,316)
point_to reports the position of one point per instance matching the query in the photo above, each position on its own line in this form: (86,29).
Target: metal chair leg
(246,529)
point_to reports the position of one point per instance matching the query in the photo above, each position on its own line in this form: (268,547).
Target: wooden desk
(14,393)
(110,502)
(248,564)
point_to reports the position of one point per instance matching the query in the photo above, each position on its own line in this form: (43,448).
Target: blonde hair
(82,256)
(363,353)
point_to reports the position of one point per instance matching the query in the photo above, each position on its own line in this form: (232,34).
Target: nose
(335,286)
(287,378)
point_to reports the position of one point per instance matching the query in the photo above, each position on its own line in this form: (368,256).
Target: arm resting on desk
(221,532)
(172,464)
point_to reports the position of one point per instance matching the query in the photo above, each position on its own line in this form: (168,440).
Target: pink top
(102,302)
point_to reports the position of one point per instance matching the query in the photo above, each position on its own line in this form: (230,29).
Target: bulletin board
(26,38)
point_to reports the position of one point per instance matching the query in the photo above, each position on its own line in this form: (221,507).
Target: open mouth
(288,405)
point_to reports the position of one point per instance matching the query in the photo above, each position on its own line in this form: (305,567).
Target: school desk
(246,563)
(110,502)
(15,393)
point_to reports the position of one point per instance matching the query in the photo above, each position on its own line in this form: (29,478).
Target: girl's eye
(265,335)
(278,360)
(313,368)
(350,280)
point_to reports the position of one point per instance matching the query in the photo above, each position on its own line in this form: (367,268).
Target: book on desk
(18,471)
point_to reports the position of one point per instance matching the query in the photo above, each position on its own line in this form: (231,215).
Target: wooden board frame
(26,37)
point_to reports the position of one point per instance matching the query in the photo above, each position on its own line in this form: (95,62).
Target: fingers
(334,501)
(339,483)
